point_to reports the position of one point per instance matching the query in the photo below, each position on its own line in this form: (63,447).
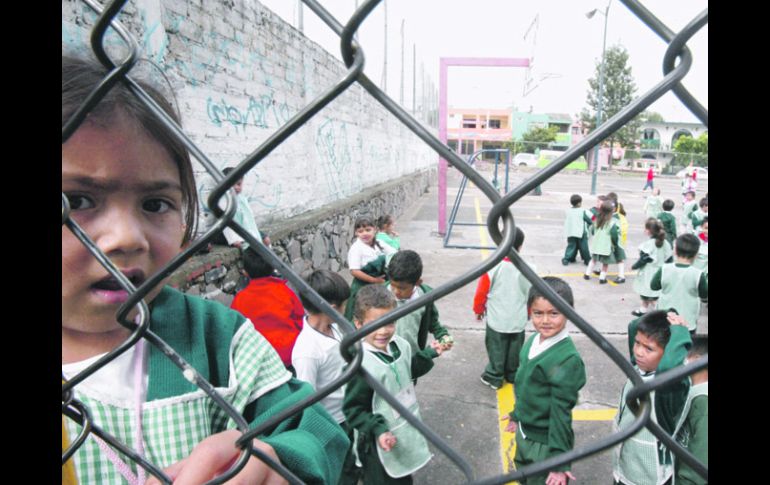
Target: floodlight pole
(601,94)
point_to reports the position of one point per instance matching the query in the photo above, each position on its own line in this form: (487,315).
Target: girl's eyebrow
(113,185)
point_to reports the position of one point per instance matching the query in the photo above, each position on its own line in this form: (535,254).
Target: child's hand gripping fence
(353,55)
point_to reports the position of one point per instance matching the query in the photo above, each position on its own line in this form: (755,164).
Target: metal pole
(599,106)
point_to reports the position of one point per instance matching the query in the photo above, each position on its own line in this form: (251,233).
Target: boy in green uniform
(681,285)
(693,429)
(576,225)
(550,375)
(405,282)
(390,449)
(501,298)
(658,342)
(668,219)
(697,216)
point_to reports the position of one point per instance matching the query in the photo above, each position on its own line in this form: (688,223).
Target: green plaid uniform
(177,415)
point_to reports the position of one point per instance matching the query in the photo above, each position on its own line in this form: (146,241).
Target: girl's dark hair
(656,230)
(329,285)
(372,296)
(384,220)
(363,221)
(605,213)
(78,80)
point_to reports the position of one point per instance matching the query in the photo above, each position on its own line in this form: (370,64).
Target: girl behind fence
(131,189)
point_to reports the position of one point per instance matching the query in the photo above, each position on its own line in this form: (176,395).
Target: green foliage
(619,90)
(688,149)
(631,155)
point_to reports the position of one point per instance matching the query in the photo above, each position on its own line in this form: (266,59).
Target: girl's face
(366,234)
(125,193)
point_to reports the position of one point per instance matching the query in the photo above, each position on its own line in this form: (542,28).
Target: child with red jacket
(274,309)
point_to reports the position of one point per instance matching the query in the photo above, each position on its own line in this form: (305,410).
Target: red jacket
(275,310)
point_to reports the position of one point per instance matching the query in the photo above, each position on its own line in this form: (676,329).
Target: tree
(536,137)
(688,149)
(619,91)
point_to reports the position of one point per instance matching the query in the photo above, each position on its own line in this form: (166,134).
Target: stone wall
(319,239)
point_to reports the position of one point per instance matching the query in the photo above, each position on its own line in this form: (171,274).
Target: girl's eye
(157,206)
(79,202)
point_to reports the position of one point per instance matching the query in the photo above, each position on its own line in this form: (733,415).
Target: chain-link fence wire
(638,398)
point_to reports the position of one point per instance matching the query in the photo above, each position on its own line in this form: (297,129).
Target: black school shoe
(619,280)
(586,277)
(602,282)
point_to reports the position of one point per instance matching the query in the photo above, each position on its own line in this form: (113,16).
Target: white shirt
(114,382)
(317,360)
(539,346)
(360,253)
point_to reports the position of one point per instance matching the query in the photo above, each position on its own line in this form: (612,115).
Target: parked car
(703,173)
(525,160)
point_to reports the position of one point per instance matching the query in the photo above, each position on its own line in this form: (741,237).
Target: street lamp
(601,92)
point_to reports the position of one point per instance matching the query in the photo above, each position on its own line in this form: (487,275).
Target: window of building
(494,124)
(467,148)
(469,122)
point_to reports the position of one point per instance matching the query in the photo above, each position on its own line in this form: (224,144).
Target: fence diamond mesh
(353,55)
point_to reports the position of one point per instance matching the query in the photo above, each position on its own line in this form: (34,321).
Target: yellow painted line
(605,414)
(505,403)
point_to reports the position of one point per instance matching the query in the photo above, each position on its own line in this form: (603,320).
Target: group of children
(131,189)
(670,268)
(547,373)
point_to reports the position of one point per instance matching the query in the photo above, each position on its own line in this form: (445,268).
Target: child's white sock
(588,269)
(622,270)
(603,275)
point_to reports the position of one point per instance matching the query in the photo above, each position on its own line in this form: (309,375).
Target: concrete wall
(239,73)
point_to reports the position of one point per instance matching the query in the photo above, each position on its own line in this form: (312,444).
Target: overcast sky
(565,47)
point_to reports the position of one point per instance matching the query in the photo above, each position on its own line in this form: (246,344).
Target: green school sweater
(546,389)
(669,225)
(207,335)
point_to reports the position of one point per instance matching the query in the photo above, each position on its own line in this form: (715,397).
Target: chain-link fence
(353,55)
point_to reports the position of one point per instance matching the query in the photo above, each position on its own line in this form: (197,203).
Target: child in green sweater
(405,282)
(658,342)
(668,219)
(550,375)
(692,431)
(390,449)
